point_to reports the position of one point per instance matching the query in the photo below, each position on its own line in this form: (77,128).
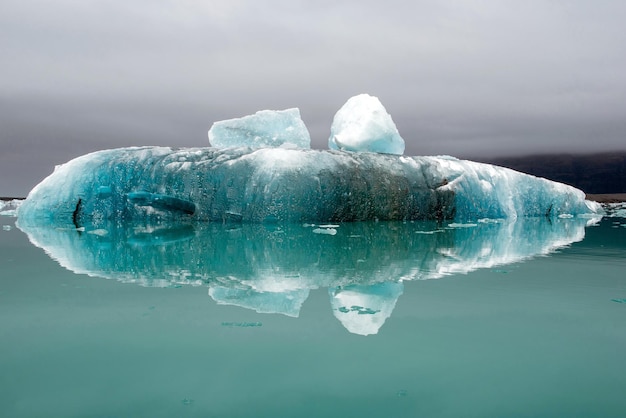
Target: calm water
(363,320)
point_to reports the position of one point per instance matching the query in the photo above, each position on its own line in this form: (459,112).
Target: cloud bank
(467,78)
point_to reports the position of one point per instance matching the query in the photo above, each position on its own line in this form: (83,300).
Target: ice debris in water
(264,129)
(363,125)
(325,231)
(9,207)
(616,210)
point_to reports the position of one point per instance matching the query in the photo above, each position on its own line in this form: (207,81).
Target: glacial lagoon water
(490,319)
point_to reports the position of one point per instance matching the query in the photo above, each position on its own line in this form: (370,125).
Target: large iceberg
(289,185)
(262,170)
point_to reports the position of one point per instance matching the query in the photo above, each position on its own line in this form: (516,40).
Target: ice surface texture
(289,185)
(264,129)
(363,125)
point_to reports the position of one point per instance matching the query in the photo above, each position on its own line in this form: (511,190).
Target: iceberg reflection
(272,268)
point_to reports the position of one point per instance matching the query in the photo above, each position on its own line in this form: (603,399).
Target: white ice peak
(363,125)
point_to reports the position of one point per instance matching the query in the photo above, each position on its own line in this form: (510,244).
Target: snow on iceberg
(264,129)
(289,185)
(363,125)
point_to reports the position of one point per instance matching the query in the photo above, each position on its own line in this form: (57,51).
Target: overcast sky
(471,78)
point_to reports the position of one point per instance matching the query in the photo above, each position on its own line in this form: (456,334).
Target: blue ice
(266,128)
(289,185)
(262,170)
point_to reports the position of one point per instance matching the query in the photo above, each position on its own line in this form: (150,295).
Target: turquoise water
(353,320)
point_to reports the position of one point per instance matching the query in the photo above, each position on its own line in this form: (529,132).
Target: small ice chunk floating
(262,170)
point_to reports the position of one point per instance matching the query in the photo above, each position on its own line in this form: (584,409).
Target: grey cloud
(465,78)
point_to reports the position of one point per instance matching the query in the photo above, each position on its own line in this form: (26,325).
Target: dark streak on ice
(76,213)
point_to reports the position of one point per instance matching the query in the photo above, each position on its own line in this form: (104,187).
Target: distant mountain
(592,173)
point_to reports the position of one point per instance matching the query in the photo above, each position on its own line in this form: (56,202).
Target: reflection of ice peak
(364,309)
(286,303)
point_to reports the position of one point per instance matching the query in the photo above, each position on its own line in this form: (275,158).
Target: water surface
(389,319)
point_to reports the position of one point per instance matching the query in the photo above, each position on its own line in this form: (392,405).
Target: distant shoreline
(601,173)
(11,198)
(607,198)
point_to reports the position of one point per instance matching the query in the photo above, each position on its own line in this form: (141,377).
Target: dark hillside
(592,173)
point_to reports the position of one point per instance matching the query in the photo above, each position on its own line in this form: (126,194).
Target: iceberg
(363,125)
(270,185)
(262,170)
(264,129)
(262,219)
